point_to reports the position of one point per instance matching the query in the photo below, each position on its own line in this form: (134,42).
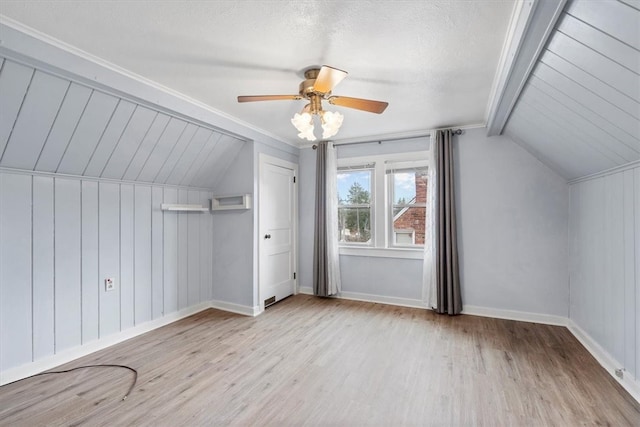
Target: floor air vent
(269,301)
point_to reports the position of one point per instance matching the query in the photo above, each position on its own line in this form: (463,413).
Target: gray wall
(512,213)
(605,264)
(235,256)
(512,224)
(61,237)
(382,277)
(233,248)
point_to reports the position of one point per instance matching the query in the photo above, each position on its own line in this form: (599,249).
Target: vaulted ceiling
(580,110)
(433,61)
(436,62)
(51,124)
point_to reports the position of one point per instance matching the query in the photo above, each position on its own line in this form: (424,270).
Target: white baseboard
(306,290)
(608,362)
(236,308)
(522,316)
(402,302)
(380,299)
(100,344)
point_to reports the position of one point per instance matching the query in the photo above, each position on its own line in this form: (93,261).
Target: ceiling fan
(317,86)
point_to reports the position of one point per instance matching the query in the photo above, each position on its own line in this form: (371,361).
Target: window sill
(382,252)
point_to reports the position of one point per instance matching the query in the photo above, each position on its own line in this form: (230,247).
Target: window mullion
(380,205)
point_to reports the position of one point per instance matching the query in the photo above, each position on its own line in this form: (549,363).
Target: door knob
(267,236)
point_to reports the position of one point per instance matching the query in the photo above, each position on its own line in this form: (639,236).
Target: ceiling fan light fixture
(317,87)
(331,122)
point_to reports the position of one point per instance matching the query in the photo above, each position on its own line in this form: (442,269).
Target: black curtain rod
(380,141)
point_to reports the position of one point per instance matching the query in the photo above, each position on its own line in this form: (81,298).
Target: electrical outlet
(109,284)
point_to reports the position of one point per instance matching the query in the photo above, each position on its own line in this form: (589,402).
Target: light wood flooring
(313,361)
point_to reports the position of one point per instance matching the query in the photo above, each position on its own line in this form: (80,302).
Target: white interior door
(277,212)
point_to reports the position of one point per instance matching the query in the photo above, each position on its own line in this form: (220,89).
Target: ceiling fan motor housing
(308,90)
(307,86)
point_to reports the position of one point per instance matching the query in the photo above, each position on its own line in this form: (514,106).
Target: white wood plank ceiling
(51,124)
(580,110)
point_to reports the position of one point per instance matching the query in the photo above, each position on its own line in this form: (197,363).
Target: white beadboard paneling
(41,104)
(126,257)
(577,126)
(109,238)
(205,169)
(543,144)
(43,268)
(15,271)
(614,18)
(189,156)
(110,137)
(142,246)
(14,82)
(170,252)
(201,158)
(613,258)
(612,73)
(226,151)
(587,81)
(183,251)
(52,124)
(604,264)
(616,141)
(63,127)
(206,249)
(602,42)
(609,112)
(636,215)
(176,153)
(157,253)
(86,136)
(83,232)
(129,142)
(146,147)
(90,259)
(631,282)
(161,151)
(592,84)
(68,299)
(541,127)
(193,251)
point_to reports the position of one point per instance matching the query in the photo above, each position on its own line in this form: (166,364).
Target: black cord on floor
(135,374)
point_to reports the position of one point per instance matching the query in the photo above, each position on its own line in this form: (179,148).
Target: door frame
(264,159)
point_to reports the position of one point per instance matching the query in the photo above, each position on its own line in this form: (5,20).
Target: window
(354,204)
(408,194)
(382,205)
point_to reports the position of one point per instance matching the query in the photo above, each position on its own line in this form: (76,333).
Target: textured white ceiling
(433,61)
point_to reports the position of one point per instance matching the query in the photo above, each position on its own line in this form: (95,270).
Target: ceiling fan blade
(252,98)
(359,104)
(328,78)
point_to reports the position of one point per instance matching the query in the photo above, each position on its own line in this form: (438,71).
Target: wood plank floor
(312,361)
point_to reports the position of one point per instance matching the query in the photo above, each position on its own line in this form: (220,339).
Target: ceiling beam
(531,26)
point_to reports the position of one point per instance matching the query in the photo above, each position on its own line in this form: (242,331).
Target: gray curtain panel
(447,271)
(320,244)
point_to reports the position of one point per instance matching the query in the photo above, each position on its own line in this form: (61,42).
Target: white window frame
(381,222)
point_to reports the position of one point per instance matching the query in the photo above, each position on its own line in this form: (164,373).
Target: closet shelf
(234,202)
(184,208)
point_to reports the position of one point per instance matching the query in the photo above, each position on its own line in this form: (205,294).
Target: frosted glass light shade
(304,123)
(331,122)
